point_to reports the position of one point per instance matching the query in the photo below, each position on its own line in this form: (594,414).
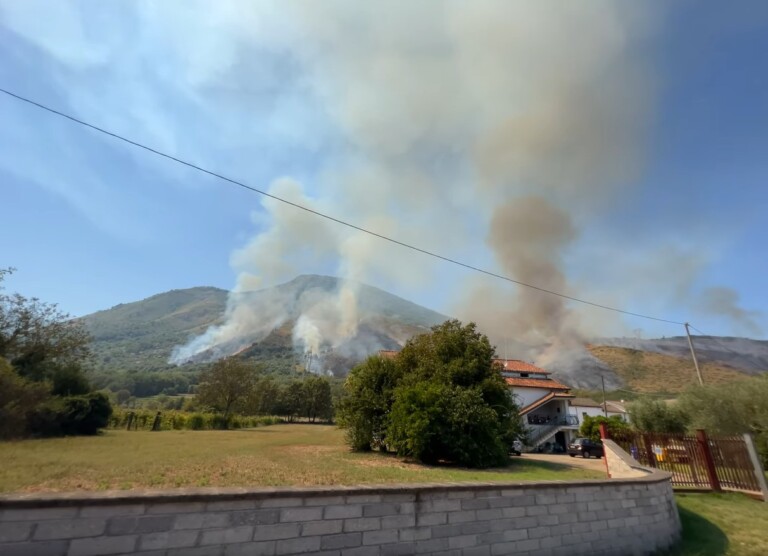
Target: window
(523,375)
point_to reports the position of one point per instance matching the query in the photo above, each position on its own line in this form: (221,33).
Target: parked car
(517,448)
(585,448)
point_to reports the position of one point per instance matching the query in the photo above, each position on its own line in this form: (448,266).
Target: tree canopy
(657,416)
(227,385)
(590,426)
(735,408)
(37,338)
(43,387)
(442,399)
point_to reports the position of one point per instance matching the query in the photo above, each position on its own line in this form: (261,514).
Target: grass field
(268,456)
(722,524)
(644,371)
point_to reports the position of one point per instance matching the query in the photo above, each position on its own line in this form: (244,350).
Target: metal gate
(699,461)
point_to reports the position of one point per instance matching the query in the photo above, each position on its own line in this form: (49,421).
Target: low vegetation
(289,454)
(722,524)
(146,420)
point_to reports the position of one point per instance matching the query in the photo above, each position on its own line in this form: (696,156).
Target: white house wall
(578,411)
(526,396)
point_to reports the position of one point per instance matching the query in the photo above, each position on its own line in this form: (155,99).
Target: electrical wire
(329,217)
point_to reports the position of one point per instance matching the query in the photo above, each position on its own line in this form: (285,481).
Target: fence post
(649,453)
(604,436)
(701,438)
(758,468)
(156,422)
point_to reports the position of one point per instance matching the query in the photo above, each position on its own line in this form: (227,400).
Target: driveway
(593,464)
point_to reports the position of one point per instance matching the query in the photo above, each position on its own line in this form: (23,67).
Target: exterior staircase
(539,434)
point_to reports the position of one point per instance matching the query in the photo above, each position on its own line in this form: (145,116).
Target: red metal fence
(696,461)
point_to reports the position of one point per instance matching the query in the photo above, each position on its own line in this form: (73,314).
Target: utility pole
(605,407)
(693,354)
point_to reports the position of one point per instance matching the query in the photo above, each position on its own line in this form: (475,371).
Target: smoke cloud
(500,124)
(724,301)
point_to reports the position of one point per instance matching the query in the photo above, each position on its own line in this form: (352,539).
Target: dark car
(585,448)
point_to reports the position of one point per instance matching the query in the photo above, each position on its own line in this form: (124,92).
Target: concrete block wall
(632,516)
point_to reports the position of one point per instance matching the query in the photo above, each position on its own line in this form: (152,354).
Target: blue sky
(90,222)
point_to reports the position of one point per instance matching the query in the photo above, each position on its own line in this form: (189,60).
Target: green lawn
(266,456)
(722,524)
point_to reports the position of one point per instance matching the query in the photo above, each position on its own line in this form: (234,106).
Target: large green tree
(316,398)
(37,338)
(364,407)
(227,386)
(649,415)
(442,399)
(734,408)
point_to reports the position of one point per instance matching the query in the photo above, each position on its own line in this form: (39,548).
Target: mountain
(142,335)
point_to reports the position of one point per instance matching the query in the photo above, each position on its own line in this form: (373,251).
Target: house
(548,410)
(544,405)
(581,407)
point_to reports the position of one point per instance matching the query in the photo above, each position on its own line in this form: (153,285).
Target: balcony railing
(559,421)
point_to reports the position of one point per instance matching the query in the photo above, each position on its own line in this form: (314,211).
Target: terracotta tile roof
(521,366)
(547,383)
(388,353)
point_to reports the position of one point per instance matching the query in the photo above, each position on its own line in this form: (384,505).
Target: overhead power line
(329,217)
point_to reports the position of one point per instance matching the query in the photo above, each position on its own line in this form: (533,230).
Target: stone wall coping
(619,452)
(146,496)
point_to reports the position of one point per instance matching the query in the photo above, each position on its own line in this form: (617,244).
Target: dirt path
(593,464)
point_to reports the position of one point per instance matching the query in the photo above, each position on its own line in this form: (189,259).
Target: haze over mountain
(146,334)
(143,336)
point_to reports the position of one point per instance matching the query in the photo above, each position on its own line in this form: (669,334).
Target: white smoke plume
(503,124)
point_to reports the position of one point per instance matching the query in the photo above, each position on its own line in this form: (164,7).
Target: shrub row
(182,420)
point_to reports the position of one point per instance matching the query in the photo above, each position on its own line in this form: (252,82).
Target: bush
(196,422)
(75,415)
(178,421)
(86,414)
(18,398)
(590,427)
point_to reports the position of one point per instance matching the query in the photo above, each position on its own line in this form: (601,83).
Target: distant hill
(142,335)
(743,354)
(653,372)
